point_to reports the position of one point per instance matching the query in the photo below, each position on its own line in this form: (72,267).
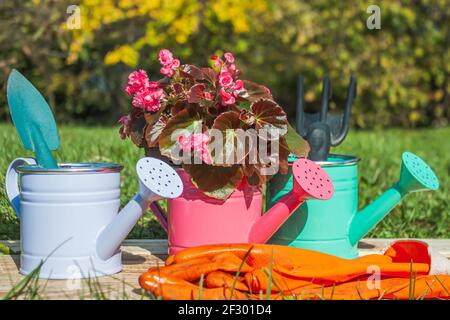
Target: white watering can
(69,220)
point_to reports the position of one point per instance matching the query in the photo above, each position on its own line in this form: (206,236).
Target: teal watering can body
(335,226)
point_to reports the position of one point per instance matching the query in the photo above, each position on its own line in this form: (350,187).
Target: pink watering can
(195,219)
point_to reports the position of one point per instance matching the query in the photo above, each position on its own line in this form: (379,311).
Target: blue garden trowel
(33,119)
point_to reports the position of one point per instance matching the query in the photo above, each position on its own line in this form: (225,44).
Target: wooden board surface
(138,256)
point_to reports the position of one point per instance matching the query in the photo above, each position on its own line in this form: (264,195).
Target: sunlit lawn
(419,215)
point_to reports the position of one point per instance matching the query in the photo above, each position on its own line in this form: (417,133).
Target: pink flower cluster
(197,142)
(124,130)
(146,94)
(231,87)
(169,64)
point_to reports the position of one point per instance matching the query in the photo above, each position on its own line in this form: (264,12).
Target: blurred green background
(403,70)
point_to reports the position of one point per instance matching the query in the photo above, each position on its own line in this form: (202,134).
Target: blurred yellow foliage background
(403,69)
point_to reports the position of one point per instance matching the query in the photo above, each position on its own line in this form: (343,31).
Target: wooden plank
(159,246)
(138,256)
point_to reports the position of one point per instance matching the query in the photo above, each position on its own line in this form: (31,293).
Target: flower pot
(195,219)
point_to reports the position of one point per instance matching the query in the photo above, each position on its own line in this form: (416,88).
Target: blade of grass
(423,294)
(359,292)
(20,287)
(200,286)
(273,281)
(238,272)
(382,295)
(332,291)
(412,282)
(442,285)
(269,284)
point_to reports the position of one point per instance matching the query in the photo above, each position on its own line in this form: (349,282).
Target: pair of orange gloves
(406,270)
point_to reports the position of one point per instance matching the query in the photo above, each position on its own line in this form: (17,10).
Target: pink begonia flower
(130,90)
(229,57)
(239,85)
(124,120)
(149,100)
(184,142)
(169,64)
(153,85)
(175,63)
(205,156)
(208,96)
(227,98)
(125,123)
(238,88)
(232,67)
(166,71)
(138,80)
(165,57)
(225,79)
(217,61)
(197,142)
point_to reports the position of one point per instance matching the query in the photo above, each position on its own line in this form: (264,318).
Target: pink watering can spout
(310,182)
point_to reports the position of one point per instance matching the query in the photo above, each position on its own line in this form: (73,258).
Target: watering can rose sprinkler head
(310,182)
(157,180)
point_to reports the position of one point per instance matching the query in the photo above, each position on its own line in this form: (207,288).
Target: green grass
(423,214)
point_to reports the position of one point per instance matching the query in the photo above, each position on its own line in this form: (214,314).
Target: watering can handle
(12,182)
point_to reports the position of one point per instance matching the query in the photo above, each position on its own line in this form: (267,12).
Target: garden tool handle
(300,115)
(43,153)
(12,182)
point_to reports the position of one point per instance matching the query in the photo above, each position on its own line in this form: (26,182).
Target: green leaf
(192,72)
(195,93)
(254,91)
(178,106)
(187,121)
(227,123)
(137,127)
(209,74)
(269,116)
(153,132)
(283,155)
(152,117)
(297,145)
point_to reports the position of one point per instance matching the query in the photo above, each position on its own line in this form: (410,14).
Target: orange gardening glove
(245,271)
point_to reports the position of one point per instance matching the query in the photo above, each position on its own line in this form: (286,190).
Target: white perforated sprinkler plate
(159,177)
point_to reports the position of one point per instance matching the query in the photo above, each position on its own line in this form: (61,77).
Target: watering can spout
(415,175)
(309,182)
(157,180)
(269,223)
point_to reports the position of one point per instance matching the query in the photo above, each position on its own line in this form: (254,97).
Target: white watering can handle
(12,182)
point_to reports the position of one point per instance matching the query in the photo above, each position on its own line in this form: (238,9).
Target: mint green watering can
(335,226)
